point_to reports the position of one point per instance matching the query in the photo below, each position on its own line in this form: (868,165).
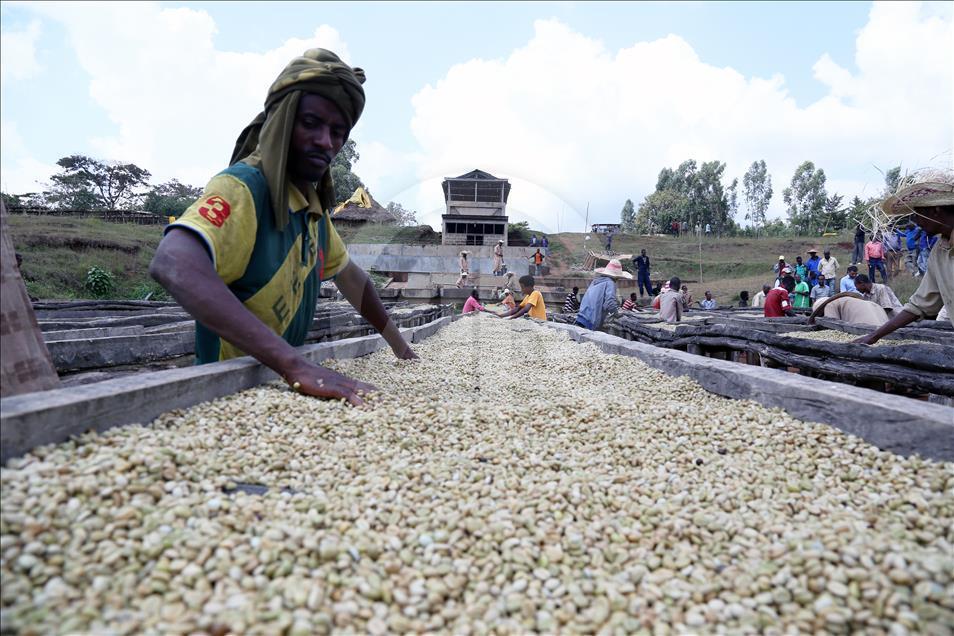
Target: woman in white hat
(931,202)
(508,300)
(600,297)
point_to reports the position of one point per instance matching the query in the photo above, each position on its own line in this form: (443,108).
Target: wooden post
(25,363)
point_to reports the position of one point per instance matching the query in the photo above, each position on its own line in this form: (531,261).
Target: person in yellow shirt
(247,259)
(531,304)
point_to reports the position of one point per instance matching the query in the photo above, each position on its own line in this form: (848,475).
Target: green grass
(58,252)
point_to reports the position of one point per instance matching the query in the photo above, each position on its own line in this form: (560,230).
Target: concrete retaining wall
(394,257)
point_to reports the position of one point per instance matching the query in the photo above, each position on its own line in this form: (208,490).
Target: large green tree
(85,183)
(703,197)
(757,193)
(806,198)
(345,180)
(627,217)
(171,198)
(659,209)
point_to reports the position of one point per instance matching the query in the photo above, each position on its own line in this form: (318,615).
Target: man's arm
(517,312)
(355,284)
(182,265)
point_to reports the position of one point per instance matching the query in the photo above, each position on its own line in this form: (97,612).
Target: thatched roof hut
(361,208)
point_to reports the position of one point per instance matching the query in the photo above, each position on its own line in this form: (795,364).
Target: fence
(138,217)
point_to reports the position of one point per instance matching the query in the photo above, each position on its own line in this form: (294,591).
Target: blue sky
(800,77)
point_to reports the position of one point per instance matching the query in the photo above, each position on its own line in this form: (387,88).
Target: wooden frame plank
(48,417)
(893,423)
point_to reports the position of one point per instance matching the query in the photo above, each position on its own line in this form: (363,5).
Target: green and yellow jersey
(275,273)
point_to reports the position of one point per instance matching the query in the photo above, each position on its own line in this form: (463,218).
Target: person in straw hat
(930,199)
(600,299)
(247,259)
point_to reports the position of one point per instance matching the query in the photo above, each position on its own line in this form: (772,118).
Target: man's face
(643,252)
(852,274)
(821,281)
(319,133)
(864,288)
(827,254)
(526,291)
(708,296)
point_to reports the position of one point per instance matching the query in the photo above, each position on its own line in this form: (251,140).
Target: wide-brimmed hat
(613,269)
(507,292)
(937,188)
(500,241)
(781,258)
(464,252)
(812,251)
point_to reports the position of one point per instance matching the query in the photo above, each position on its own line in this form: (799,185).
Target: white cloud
(18,52)
(178,102)
(582,123)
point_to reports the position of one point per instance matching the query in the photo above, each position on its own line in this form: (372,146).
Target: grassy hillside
(57,253)
(729,265)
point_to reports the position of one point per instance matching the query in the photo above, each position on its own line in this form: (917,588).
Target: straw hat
(921,195)
(464,252)
(613,269)
(813,251)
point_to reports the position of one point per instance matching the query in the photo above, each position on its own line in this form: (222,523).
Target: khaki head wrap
(265,142)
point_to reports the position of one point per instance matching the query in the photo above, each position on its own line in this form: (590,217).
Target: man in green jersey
(247,259)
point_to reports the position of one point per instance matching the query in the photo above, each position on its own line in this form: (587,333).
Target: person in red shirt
(874,254)
(777,303)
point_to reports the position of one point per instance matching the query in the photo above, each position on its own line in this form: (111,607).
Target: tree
(835,215)
(171,198)
(703,196)
(87,183)
(346,181)
(405,218)
(806,198)
(892,179)
(659,209)
(757,192)
(627,217)
(732,192)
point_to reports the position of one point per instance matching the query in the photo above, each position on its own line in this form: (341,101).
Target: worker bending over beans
(248,258)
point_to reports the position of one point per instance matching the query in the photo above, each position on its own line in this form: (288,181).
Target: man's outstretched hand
(311,379)
(867,339)
(406,354)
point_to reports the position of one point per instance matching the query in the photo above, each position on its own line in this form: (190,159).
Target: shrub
(99,282)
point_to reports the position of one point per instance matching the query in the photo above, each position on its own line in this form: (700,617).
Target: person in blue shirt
(911,243)
(848,282)
(600,299)
(813,262)
(642,273)
(925,245)
(801,269)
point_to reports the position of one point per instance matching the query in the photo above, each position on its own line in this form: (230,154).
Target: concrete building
(476,209)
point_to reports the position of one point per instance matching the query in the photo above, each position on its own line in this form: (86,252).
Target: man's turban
(264,143)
